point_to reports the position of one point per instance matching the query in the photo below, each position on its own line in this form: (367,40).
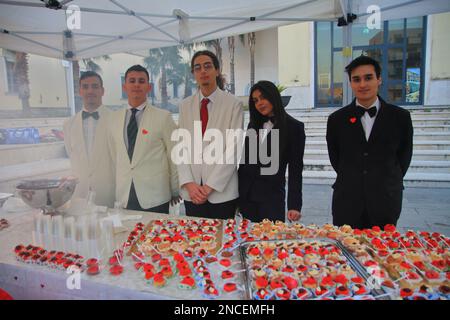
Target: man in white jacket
(140,148)
(85,142)
(209,189)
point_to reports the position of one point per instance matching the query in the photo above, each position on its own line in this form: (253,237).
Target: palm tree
(251,37)
(91,64)
(188,79)
(163,59)
(22,81)
(153,69)
(76,85)
(231,48)
(175,77)
(217,48)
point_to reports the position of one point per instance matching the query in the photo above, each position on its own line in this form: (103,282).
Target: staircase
(31,161)
(430,166)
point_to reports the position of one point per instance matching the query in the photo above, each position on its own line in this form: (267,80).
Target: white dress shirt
(128,117)
(267,126)
(366,121)
(89,126)
(212,97)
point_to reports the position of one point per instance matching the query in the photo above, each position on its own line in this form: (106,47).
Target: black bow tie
(86,115)
(371,111)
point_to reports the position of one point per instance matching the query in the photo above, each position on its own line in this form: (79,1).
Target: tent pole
(68,67)
(347,52)
(347,58)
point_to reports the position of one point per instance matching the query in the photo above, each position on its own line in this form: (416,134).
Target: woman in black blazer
(263,195)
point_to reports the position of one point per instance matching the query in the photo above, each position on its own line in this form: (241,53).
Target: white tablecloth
(25,281)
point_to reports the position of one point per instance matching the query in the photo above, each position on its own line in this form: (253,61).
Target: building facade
(304,57)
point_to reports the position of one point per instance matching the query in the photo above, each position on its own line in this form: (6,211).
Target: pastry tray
(352,261)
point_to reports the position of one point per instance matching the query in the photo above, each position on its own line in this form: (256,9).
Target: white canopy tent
(113,26)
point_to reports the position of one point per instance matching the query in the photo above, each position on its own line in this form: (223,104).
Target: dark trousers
(224,210)
(365,222)
(133,203)
(257,211)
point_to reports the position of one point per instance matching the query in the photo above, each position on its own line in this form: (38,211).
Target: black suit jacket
(271,188)
(369,173)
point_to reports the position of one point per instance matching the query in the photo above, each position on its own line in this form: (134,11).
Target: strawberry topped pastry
(283,294)
(342,291)
(187,283)
(262,294)
(230,287)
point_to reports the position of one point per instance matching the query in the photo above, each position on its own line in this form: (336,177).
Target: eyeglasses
(206,66)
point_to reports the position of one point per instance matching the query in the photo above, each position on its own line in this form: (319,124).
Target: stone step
(418,136)
(432,155)
(22,153)
(412,179)
(422,127)
(414,117)
(11,175)
(322,113)
(416,166)
(32,122)
(420,122)
(418,144)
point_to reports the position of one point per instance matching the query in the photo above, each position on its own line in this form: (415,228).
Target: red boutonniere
(353,119)
(144,131)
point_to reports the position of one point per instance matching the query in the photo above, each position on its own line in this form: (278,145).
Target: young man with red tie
(209,190)
(370,146)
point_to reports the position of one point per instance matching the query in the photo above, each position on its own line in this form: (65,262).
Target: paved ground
(424,209)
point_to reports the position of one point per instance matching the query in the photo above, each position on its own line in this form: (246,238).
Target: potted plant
(284,99)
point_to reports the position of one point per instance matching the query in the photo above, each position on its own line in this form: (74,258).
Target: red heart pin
(144,131)
(353,120)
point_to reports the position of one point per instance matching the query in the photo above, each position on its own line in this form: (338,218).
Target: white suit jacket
(153,173)
(226,113)
(95,172)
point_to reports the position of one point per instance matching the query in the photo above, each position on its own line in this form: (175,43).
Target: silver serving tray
(353,262)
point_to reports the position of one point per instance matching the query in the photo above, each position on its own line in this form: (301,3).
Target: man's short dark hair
(88,74)
(138,68)
(361,61)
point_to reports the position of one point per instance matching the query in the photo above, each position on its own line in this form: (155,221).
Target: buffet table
(277,261)
(24,281)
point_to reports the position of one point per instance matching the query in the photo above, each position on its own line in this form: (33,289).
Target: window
(122,81)
(398,46)
(11,84)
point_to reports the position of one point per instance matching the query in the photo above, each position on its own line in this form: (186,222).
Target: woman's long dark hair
(270,92)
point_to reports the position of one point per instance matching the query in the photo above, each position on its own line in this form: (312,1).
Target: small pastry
(283,294)
(116,270)
(262,294)
(229,287)
(187,283)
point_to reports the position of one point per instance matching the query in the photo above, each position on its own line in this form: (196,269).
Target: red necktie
(204,114)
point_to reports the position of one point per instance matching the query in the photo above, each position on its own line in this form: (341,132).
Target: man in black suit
(370,148)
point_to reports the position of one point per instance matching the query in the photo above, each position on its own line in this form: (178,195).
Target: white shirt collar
(376,104)
(140,108)
(86,110)
(211,97)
